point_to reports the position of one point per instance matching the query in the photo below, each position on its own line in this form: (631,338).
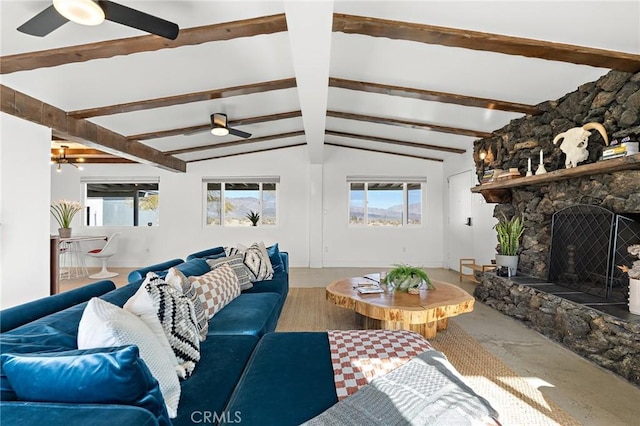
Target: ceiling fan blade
(43,23)
(136,19)
(238,133)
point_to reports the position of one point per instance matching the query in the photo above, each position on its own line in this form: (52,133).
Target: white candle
(529,165)
(541,160)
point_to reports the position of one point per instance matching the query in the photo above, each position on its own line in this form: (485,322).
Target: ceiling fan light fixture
(85,12)
(219,131)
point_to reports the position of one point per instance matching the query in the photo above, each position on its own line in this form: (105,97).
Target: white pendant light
(85,12)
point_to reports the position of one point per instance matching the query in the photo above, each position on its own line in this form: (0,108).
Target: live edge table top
(424,313)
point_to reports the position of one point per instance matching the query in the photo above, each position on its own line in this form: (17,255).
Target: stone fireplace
(578,224)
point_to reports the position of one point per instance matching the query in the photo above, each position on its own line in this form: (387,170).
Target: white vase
(510,262)
(634,296)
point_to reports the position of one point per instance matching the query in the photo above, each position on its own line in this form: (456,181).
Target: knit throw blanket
(359,356)
(426,390)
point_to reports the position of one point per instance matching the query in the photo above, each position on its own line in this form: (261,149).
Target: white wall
(24,210)
(482,246)
(181,229)
(361,246)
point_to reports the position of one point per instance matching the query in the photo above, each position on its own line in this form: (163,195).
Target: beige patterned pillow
(216,289)
(177,280)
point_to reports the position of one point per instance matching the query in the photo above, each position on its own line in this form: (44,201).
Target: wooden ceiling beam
(476,40)
(82,131)
(395,142)
(146,43)
(75,152)
(429,95)
(232,123)
(235,143)
(409,124)
(382,151)
(249,152)
(185,98)
(103,160)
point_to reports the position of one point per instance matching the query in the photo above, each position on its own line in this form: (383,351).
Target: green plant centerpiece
(254,217)
(406,278)
(509,233)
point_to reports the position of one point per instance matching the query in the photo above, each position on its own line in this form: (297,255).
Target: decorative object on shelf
(620,148)
(405,278)
(634,279)
(509,234)
(529,172)
(541,170)
(254,217)
(63,212)
(575,142)
(511,174)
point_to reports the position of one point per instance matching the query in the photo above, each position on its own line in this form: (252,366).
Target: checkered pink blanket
(359,356)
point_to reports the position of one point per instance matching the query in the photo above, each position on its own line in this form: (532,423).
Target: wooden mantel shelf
(500,192)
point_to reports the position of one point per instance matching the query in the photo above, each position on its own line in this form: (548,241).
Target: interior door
(460,235)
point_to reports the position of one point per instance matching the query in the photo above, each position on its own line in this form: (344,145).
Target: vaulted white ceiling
(315,57)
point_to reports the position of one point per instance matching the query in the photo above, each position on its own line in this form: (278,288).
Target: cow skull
(575,142)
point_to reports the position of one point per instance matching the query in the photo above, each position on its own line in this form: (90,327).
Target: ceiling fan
(219,127)
(90,12)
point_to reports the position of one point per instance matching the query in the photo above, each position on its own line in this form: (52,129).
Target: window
(385,201)
(229,201)
(118,203)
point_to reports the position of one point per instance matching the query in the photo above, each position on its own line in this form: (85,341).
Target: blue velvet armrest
(285,260)
(16,316)
(141,273)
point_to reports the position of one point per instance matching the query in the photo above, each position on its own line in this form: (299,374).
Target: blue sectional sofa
(247,373)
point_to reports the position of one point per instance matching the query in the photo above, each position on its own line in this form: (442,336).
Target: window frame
(91,180)
(405,200)
(261,181)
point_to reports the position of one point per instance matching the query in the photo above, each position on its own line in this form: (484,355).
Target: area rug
(518,401)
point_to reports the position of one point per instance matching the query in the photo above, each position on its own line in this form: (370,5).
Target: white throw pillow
(104,325)
(141,304)
(257,260)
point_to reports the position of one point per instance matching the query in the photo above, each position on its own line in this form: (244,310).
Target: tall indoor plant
(509,233)
(63,212)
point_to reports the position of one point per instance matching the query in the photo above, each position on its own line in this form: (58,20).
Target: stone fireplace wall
(614,101)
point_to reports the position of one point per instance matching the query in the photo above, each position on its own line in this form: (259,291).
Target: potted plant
(254,217)
(63,211)
(634,279)
(405,278)
(509,234)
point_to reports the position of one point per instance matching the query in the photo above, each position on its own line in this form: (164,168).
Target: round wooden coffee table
(425,313)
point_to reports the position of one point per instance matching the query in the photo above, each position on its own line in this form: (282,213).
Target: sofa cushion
(61,414)
(194,267)
(254,314)
(208,390)
(275,259)
(239,268)
(216,289)
(293,375)
(212,253)
(179,281)
(105,376)
(278,284)
(178,319)
(104,325)
(257,260)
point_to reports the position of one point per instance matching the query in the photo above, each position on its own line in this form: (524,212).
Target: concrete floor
(592,395)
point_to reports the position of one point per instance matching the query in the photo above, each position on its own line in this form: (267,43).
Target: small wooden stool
(467,262)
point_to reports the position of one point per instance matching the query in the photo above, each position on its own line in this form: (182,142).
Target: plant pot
(510,262)
(634,296)
(64,232)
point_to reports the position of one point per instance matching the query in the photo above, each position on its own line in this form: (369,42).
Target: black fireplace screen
(587,242)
